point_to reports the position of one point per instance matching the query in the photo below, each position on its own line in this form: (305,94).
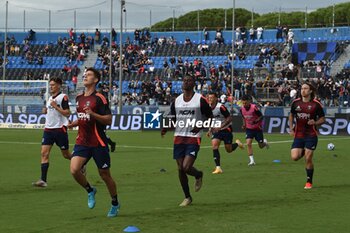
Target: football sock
(88,188)
(216,155)
(251,158)
(309,174)
(194,172)
(184,184)
(115,200)
(109,141)
(44,169)
(234,146)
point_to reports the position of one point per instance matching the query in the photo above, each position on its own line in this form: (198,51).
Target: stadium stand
(157,61)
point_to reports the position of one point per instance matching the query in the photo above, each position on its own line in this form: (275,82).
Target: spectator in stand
(40,60)
(238,33)
(205,34)
(12,40)
(114,34)
(75,82)
(97,36)
(244,34)
(219,38)
(259,33)
(137,35)
(252,33)
(17,50)
(31,35)
(82,37)
(290,40)
(285,31)
(105,41)
(279,32)
(188,41)
(71,34)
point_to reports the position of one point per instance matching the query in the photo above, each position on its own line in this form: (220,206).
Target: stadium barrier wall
(339,125)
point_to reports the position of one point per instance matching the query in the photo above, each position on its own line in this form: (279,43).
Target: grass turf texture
(268,197)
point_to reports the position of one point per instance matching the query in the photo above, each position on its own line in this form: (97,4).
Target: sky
(26,14)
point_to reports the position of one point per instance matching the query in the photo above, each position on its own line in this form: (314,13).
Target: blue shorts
(181,150)
(100,155)
(59,136)
(308,143)
(257,134)
(225,136)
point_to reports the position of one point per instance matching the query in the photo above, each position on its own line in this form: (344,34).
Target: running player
(93,116)
(252,123)
(56,121)
(188,106)
(309,114)
(224,133)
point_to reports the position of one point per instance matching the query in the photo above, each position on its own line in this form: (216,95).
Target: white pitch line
(170,148)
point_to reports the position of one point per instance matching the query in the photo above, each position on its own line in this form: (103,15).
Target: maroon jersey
(303,112)
(91,132)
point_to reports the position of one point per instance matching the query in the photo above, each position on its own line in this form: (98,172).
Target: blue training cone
(131,229)
(276,161)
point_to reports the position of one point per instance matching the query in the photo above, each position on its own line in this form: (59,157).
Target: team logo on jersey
(309,107)
(151,120)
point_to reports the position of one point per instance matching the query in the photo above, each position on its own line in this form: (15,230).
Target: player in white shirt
(189,106)
(57,113)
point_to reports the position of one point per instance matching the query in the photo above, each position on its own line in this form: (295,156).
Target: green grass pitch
(266,198)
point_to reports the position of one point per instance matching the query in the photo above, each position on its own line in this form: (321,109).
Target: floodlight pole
(125,19)
(4,62)
(333,16)
(49,20)
(305,17)
(120,103)
(173,20)
(110,56)
(225,26)
(198,28)
(233,51)
(150,20)
(75,21)
(279,17)
(24,20)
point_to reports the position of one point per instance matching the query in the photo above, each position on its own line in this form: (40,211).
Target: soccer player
(224,133)
(93,116)
(188,106)
(309,114)
(252,123)
(57,112)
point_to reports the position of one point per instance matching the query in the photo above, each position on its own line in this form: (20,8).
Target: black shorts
(100,155)
(257,134)
(58,136)
(225,136)
(181,150)
(308,143)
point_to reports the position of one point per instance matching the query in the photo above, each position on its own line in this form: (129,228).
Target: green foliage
(165,25)
(215,18)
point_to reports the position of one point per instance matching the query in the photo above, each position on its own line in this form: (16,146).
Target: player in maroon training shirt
(308,113)
(93,116)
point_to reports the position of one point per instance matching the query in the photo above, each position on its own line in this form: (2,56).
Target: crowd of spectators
(209,77)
